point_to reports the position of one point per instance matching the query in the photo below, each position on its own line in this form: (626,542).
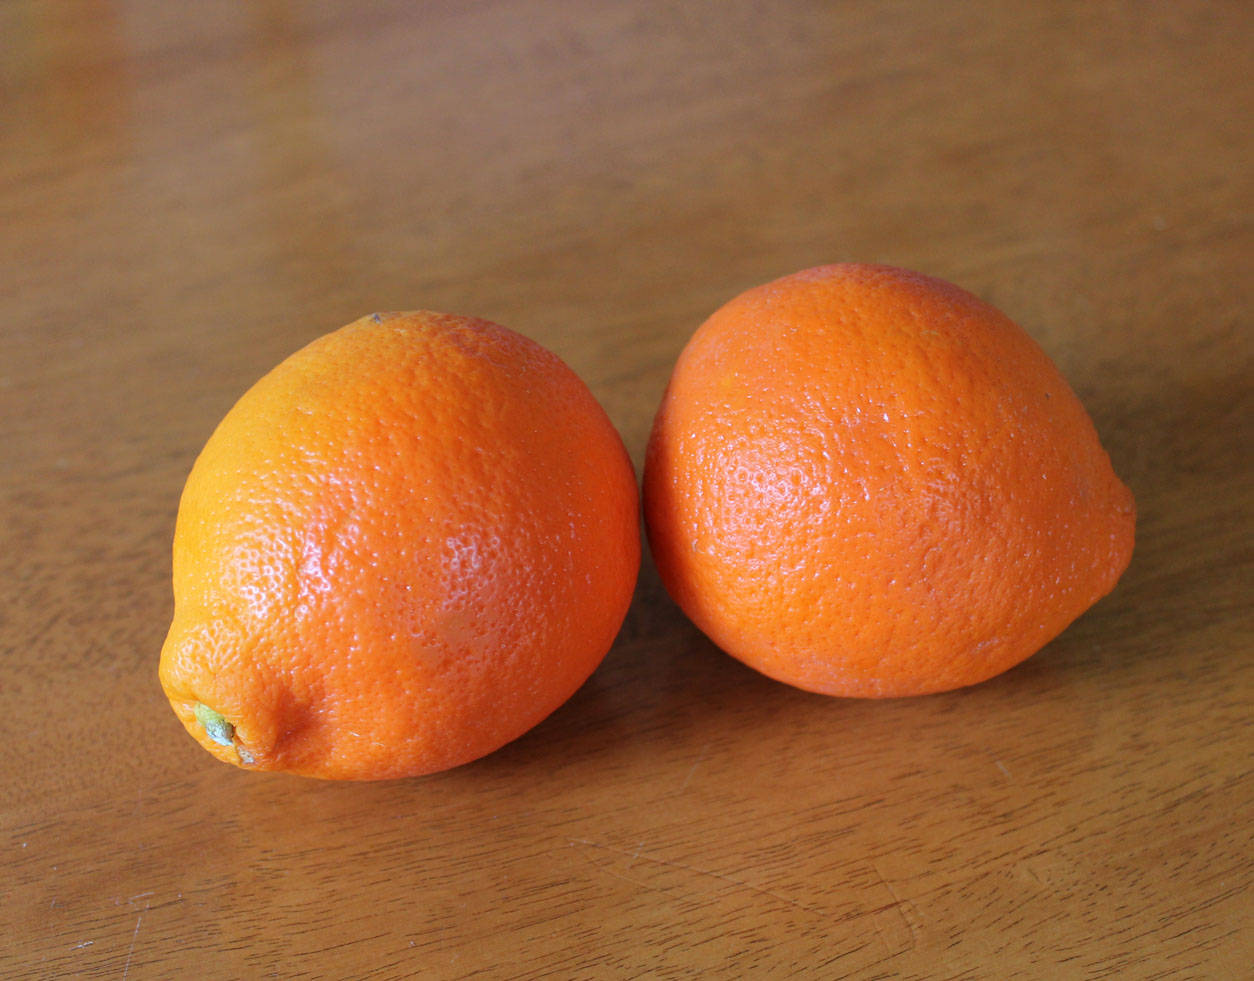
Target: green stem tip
(219,730)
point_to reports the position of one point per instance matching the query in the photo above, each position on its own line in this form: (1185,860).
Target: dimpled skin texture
(401,549)
(866,482)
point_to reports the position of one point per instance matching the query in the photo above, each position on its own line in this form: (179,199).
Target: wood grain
(189,192)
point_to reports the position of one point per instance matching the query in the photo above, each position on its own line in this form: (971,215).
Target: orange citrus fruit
(402,548)
(866,482)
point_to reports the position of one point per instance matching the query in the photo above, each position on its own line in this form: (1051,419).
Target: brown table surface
(189,192)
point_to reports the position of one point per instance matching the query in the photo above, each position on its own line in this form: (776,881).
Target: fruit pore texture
(402,548)
(866,482)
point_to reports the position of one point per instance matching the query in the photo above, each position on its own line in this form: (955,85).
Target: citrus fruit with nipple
(402,548)
(864,481)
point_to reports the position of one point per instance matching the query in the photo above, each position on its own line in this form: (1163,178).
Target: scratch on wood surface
(1002,766)
(738,883)
(130,953)
(693,769)
(610,872)
(898,903)
(879,932)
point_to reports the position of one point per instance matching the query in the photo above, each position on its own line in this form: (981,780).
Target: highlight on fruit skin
(402,548)
(863,481)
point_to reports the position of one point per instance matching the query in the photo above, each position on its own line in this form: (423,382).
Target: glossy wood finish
(189,192)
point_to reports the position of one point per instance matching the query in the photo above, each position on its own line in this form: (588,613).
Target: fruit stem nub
(219,730)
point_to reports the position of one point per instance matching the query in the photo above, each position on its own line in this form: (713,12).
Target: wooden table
(189,192)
